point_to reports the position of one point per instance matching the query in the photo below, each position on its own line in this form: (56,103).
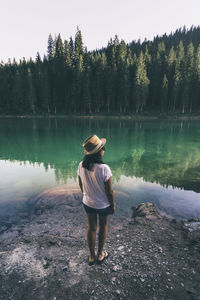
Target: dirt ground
(43,254)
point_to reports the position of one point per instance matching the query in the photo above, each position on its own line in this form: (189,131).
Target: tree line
(161,76)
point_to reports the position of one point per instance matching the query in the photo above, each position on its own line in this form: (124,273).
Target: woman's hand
(109,194)
(112,209)
(80,183)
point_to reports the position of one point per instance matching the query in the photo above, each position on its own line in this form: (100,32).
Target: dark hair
(91,159)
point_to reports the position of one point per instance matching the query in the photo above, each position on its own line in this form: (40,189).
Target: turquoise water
(156,161)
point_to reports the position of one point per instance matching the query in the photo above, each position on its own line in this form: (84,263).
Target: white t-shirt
(94,194)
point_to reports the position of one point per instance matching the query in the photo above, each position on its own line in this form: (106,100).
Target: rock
(45,264)
(192,226)
(120,248)
(113,279)
(26,239)
(117,268)
(193,220)
(191,291)
(147,210)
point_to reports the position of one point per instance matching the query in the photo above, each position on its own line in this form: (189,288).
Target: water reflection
(161,152)
(171,201)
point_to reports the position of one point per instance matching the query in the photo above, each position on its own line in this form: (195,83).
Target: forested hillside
(159,76)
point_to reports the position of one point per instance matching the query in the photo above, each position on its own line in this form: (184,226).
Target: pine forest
(160,76)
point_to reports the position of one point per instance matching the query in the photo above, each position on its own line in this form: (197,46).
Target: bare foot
(102,256)
(91,258)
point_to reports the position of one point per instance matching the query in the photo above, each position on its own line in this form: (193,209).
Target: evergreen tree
(71,48)
(170,70)
(196,91)
(176,88)
(77,75)
(15,103)
(50,47)
(78,51)
(141,84)
(67,75)
(164,94)
(59,51)
(31,93)
(122,87)
(188,76)
(67,56)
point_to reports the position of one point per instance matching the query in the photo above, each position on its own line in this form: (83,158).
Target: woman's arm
(109,193)
(80,183)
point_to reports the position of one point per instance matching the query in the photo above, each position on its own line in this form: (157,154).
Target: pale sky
(26,24)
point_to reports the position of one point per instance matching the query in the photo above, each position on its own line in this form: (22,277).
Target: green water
(156,161)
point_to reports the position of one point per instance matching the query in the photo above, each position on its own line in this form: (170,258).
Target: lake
(157,161)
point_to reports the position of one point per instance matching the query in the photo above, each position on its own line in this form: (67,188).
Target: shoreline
(44,254)
(134,117)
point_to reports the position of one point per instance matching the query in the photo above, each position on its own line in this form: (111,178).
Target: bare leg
(91,235)
(103,221)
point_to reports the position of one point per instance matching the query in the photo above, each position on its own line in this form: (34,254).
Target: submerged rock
(55,197)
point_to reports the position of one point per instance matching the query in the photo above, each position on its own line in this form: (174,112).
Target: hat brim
(98,149)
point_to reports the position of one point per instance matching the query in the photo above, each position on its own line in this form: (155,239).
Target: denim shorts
(101,212)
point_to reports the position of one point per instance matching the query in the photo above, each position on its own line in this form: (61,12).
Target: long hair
(91,159)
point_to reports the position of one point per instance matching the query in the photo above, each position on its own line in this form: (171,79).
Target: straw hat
(93,144)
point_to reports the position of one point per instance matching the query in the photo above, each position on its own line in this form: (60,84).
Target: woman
(95,184)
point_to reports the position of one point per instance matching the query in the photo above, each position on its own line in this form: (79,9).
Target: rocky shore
(43,253)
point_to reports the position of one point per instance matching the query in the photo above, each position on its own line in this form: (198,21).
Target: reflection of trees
(163,152)
(164,169)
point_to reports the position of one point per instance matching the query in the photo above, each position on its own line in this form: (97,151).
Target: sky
(26,24)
